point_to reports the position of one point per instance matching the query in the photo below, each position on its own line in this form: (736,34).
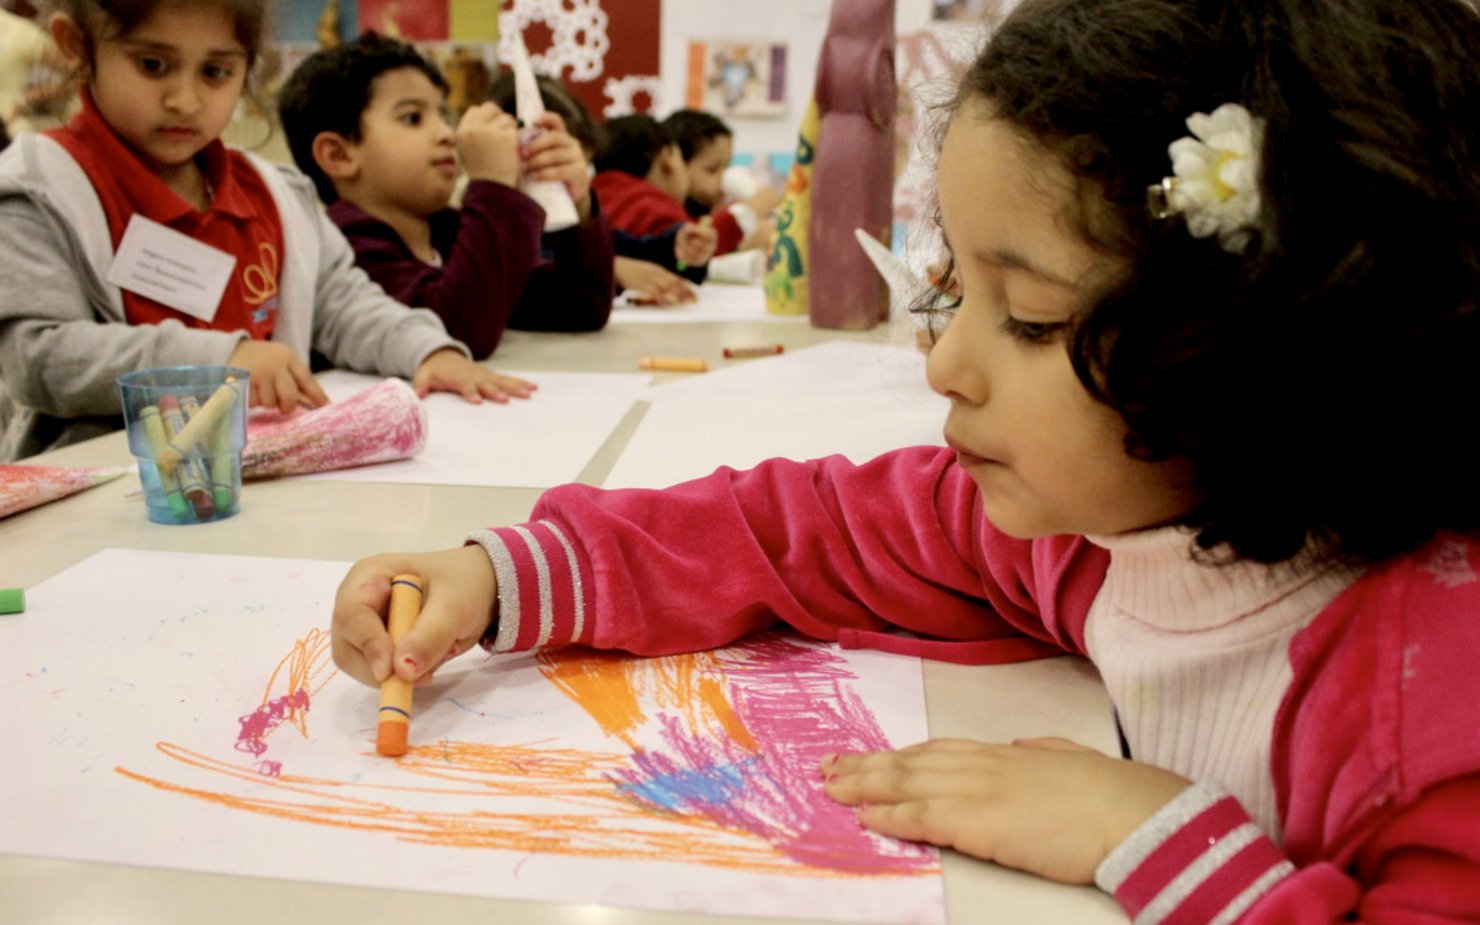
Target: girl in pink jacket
(1211,378)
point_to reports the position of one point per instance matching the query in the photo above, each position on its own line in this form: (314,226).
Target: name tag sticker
(171,268)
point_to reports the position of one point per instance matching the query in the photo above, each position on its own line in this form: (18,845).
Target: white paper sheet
(857,399)
(182,710)
(717,302)
(538,442)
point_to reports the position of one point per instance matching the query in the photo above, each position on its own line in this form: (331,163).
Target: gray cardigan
(63,337)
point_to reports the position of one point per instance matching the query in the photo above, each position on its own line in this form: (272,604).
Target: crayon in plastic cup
(187,426)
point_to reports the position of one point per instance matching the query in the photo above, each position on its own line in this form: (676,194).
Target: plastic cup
(187,426)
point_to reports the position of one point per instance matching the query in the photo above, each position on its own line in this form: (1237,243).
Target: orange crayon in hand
(395,694)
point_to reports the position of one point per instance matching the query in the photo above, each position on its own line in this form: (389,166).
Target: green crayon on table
(12,600)
(154,432)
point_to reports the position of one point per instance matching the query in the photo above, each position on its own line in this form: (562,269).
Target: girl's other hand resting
(1047,806)
(279,379)
(456,610)
(448,370)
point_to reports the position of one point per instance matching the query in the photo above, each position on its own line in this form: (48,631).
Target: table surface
(349,520)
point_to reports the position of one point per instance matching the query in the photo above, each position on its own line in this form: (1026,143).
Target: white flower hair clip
(1215,177)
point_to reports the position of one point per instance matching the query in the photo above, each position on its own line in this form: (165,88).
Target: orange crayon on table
(735,353)
(395,694)
(673,364)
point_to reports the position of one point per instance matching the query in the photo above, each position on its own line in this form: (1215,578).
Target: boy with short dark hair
(365,121)
(707,145)
(642,181)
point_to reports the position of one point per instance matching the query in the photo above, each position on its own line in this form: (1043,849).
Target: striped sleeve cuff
(542,587)
(1200,859)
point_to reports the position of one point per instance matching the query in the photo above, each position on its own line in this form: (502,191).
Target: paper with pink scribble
(380,424)
(23,487)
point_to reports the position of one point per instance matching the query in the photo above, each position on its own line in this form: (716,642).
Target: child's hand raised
(695,243)
(455,612)
(448,370)
(488,144)
(279,378)
(1047,806)
(552,154)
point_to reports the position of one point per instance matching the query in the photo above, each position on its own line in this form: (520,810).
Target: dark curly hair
(329,91)
(1321,383)
(694,129)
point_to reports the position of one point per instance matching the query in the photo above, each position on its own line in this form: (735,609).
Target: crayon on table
(735,353)
(12,600)
(395,694)
(154,433)
(187,468)
(673,364)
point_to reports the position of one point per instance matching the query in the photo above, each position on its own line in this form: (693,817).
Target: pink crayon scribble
(795,701)
(385,422)
(258,724)
(269,768)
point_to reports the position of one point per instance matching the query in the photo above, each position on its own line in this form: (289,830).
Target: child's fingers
(552,121)
(310,392)
(361,646)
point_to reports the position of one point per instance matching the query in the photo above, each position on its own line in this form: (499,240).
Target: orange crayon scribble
(610,687)
(496,797)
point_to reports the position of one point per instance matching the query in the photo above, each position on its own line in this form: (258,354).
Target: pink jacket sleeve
(894,553)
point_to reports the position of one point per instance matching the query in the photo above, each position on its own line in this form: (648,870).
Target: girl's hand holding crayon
(461,591)
(448,370)
(279,378)
(1047,806)
(488,144)
(552,154)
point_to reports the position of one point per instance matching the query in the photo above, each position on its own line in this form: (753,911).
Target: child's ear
(336,156)
(69,38)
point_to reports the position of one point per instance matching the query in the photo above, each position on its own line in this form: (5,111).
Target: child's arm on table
(572,286)
(656,284)
(52,325)
(357,326)
(279,379)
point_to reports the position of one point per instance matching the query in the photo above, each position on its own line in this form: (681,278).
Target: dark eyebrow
(163,48)
(1012,260)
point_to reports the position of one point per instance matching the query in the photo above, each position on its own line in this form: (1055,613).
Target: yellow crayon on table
(673,364)
(395,694)
(188,469)
(197,430)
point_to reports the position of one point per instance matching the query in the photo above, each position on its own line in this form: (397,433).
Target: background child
(707,146)
(366,120)
(639,258)
(161,81)
(1205,428)
(642,182)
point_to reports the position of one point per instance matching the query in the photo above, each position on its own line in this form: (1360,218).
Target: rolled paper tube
(396,694)
(154,433)
(381,424)
(23,487)
(673,364)
(196,431)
